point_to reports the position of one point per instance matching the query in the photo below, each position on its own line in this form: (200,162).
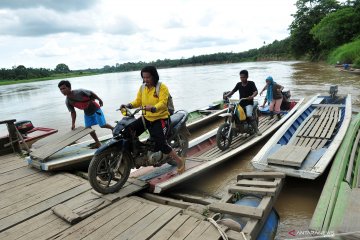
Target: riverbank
(56,76)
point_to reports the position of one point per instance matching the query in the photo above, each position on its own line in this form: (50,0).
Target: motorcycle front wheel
(109,171)
(224,137)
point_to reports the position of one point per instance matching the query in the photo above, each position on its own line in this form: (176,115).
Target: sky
(94,33)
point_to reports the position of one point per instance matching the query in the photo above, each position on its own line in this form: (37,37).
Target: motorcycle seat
(176,118)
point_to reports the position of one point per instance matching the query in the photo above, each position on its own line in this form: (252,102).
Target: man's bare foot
(181,168)
(94,145)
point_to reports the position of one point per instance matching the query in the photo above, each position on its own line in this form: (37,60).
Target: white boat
(306,144)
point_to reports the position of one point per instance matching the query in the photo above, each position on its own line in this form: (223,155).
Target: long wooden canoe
(336,210)
(306,144)
(204,153)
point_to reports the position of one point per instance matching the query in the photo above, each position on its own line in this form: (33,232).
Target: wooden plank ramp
(59,143)
(40,205)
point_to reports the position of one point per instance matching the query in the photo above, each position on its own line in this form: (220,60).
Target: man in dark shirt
(84,100)
(247,92)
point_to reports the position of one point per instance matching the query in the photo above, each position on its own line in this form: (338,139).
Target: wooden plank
(198,230)
(254,226)
(43,233)
(119,227)
(325,125)
(102,227)
(124,192)
(47,150)
(351,221)
(16,174)
(168,230)
(289,155)
(66,214)
(166,200)
(311,143)
(321,121)
(38,198)
(155,226)
(308,122)
(245,182)
(40,207)
(98,219)
(12,166)
(81,207)
(22,183)
(265,175)
(299,142)
(322,143)
(234,235)
(22,229)
(212,233)
(190,224)
(305,142)
(237,210)
(331,130)
(252,190)
(30,195)
(143,223)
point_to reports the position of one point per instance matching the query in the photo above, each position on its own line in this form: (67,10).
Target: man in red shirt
(85,100)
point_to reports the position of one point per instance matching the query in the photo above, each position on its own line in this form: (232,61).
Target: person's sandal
(182,168)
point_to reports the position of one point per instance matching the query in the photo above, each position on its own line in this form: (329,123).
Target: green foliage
(308,14)
(337,28)
(62,68)
(347,53)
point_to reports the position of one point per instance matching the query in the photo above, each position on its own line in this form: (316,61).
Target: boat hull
(342,179)
(319,156)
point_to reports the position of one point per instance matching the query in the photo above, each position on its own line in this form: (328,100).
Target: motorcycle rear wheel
(223,138)
(103,175)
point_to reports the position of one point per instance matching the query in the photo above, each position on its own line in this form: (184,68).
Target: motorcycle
(110,167)
(235,123)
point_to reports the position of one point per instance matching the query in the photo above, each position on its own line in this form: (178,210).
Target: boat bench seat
(289,155)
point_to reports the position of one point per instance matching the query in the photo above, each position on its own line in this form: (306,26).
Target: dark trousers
(158,129)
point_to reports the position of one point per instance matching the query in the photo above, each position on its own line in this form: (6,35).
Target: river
(193,88)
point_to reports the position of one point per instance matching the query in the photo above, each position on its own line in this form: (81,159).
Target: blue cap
(269,78)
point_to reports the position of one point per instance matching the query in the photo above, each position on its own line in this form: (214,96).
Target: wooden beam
(237,210)
(266,175)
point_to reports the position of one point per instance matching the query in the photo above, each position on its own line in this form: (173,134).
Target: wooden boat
(203,116)
(305,145)
(338,208)
(351,70)
(204,154)
(78,156)
(30,134)
(246,208)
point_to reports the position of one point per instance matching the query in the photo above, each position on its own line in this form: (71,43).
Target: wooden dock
(42,205)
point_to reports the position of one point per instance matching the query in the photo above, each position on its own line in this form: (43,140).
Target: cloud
(119,26)
(56,5)
(205,41)
(40,22)
(50,49)
(94,33)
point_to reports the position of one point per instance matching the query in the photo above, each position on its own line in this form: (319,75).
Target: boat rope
(213,222)
(222,233)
